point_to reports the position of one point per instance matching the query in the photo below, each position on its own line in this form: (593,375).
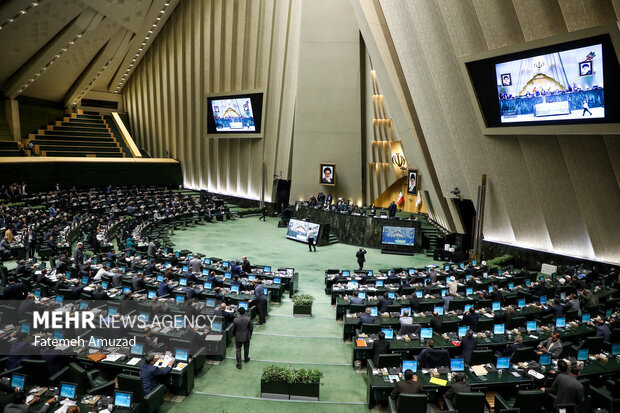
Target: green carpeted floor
(301,342)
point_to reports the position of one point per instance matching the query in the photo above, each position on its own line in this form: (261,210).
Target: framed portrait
(506,79)
(412,182)
(586,68)
(327,174)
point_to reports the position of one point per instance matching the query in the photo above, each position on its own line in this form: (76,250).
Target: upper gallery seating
(10,148)
(85,134)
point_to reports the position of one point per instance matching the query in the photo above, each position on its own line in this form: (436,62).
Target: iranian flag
(400,198)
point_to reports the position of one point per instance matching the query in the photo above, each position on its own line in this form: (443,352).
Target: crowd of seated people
(340,205)
(143,276)
(481,315)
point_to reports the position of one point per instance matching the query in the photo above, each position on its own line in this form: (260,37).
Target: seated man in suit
(366,318)
(602,329)
(22,270)
(459,386)
(42,278)
(384,302)
(380,346)
(150,374)
(510,348)
(14,290)
(431,357)
(470,319)
(468,345)
(19,404)
(436,322)
(100,294)
(355,299)
(552,345)
(408,386)
(405,318)
(164,288)
(138,282)
(227,316)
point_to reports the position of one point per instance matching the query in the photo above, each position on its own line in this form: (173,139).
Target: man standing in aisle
(312,235)
(78,256)
(361,257)
(242,330)
(260,300)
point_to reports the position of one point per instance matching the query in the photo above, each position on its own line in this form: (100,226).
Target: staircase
(82,134)
(433,235)
(10,148)
(332,239)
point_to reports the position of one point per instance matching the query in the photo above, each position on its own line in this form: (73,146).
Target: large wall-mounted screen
(398,235)
(300,230)
(575,82)
(234,114)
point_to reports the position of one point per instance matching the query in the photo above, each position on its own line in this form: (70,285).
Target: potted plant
(302,304)
(305,384)
(274,382)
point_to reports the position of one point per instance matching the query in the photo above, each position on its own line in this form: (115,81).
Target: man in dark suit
(392,209)
(431,357)
(242,330)
(165,288)
(566,388)
(78,255)
(246,266)
(385,302)
(14,290)
(468,344)
(260,300)
(366,318)
(138,282)
(436,322)
(602,329)
(361,257)
(150,374)
(414,302)
(100,294)
(510,348)
(61,283)
(227,316)
(470,319)
(22,270)
(354,299)
(408,386)
(380,346)
(459,386)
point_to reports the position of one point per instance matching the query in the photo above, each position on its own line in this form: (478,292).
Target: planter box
(274,390)
(302,310)
(303,391)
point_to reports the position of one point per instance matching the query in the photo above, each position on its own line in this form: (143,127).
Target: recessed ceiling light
(22,11)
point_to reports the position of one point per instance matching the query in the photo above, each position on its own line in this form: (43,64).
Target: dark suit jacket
(405,387)
(384,303)
(15,291)
(100,295)
(458,387)
(467,347)
(365,319)
(436,323)
(567,389)
(471,320)
(227,316)
(379,347)
(242,328)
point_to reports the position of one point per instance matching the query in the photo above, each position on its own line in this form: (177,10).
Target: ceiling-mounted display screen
(570,83)
(235,115)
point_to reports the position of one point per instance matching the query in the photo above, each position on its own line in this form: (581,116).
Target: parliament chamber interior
(342,206)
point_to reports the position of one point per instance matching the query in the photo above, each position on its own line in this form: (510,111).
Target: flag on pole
(400,198)
(418,201)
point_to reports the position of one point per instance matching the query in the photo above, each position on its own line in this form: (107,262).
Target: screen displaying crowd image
(398,235)
(557,86)
(233,115)
(299,230)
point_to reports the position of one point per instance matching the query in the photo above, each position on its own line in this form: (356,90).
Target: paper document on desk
(134,361)
(180,366)
(535,374)
(114,357)
(479,370)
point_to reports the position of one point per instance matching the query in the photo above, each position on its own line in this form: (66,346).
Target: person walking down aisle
(361,257)
(264,216)
(260,299)
(312,234)
(242,330)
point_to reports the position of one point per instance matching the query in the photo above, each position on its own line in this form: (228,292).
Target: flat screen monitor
(361,294)
(299,230)
(463,331)
(403,309)
(560,322)
(467,307)
(210,302)
(490,288)
(531,326)
(207,261)
(235,115)
(37,293)
(104,284)
(503,363)
(183,281)
(152,294)
(444,292)
(499,329)
(207,285)
(178,322)
(544,359)
(205,272)
(234,288)
(379,283)
(496,306)
(180,298)
(112,311)
(160,278)
(346,273)
(68,391)
(370,273)
(243,304)
(500,272)
(95,342)
(83,305)
(18,381)
(126,290)
(123,399)
(426,333)
(411,271)
(521,302)
(543,299)
(391,295)
(409,365)
(68,273)
(59,299)
(373,311)
(582,354)
(266,269)
(177,253)
(608,313)
(181,354)
(390,272)
(389,333)
(528,283)
(398,236)
(227,275)
(144,317)
(469,291)
(511,286)
(185,268)
(59,335)
(290,272)
(85,280)
(137,349)
(457,365)
(216,326)
(585,318)
(251,277)
(438,310)
(25,328)
(418,294)
(615,349)
(474,263)
(277,280)
(462,265)
(446,268)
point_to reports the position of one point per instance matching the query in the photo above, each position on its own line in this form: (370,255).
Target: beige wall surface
(213,46)
(327,112)
(555,193)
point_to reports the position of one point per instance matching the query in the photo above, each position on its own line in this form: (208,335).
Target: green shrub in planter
(296,383)
(275,380)
(302,304)
(499,262)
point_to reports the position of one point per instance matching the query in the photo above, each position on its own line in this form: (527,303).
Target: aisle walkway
(300,342)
